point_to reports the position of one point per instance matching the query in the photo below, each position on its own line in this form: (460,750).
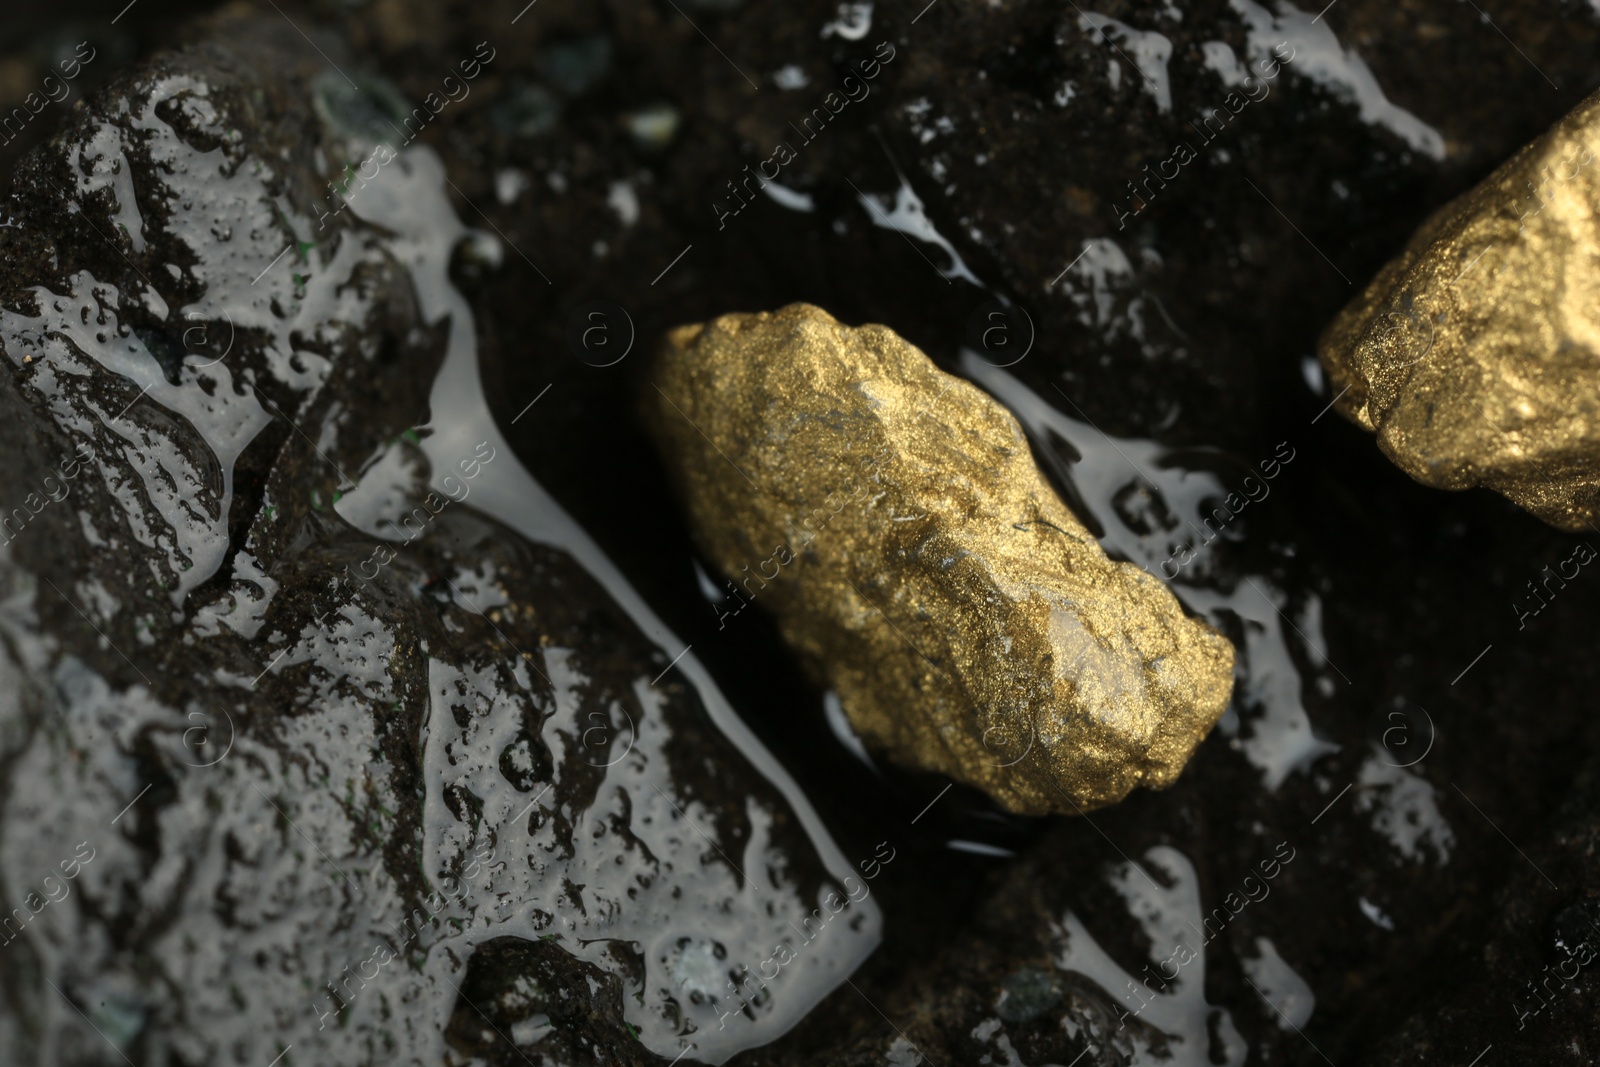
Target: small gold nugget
(892,519)
(1476,354)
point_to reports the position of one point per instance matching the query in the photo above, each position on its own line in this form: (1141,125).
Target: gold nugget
(1476,354)
(892,519)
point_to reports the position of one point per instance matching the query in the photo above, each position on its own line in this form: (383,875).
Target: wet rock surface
(1371,613)
(321,737)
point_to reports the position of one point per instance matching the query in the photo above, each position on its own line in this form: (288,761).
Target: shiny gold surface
(892,519)
(1476,354)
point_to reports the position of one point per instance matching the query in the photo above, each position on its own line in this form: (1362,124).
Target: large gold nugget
(891,517)
(1476,354)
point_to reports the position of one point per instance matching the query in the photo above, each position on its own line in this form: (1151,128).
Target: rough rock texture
(1409,585)
(891,517)
(1527,984)
(1475,353)
(1387,884)
(1017,128)
(399,795)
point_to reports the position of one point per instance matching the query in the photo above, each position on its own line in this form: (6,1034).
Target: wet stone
(1010,135)
(302,724)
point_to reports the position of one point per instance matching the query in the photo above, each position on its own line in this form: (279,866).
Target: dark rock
(369,750)
(1192,330)
(1410,930)
(1526,985)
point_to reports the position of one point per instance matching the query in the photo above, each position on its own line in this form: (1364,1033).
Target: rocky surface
(1182,924)
(603,171)
(309,741)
